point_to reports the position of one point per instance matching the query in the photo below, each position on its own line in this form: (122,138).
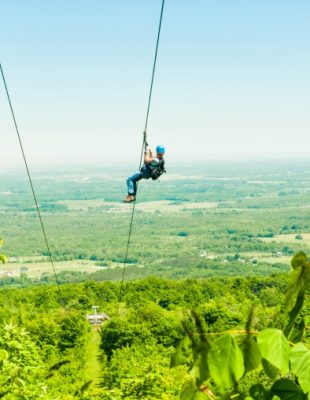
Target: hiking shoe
(129,198)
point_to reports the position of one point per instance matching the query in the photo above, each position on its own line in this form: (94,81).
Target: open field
(204,220)
(38,269)
(290,238)
(164,206)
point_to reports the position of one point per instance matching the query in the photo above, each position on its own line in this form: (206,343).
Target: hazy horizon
(127,167)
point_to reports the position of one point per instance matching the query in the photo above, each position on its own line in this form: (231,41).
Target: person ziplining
(153,167)
(148,159)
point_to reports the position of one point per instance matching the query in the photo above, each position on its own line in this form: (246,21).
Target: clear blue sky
(233,78)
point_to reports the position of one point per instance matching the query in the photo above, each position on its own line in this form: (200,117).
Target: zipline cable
(144,145)
(154,67)
(32,187)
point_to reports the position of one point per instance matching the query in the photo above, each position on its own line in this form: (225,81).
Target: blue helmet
(160,149)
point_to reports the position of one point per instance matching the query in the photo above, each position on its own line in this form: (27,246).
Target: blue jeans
(145,173)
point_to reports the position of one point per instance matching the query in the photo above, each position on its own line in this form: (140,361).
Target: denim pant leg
(132,182)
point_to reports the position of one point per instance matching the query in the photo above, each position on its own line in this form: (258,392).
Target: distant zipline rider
(153,167)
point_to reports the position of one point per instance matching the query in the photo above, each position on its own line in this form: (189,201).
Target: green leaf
(298,331)
(271,371)
(200,396)
(3,258)
(300,364)
(195,372)
(299,260)
(4,355)
(251,353)
(297,283)
(225,361)
(293,314)
(19,382)
(299,279)
(287,390)
(258,392)
(182,354)
(188,390)
(200,370)
(274,348)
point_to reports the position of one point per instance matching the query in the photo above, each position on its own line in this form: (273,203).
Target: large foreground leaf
(300,363)
(299,279)
(190,392)
(225,362)
(251,353)
(299,260)
(258,392)
(287,390)
(270,370)
(274,348)
(182,354)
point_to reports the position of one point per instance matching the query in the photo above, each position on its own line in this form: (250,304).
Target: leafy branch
(3,258)
(219,365)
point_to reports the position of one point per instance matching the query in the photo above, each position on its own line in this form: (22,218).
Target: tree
(21,366)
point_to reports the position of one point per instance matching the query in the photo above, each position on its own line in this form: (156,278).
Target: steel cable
(144,144)
(32,188)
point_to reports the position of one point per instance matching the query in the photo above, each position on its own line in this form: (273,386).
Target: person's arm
(148,156)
